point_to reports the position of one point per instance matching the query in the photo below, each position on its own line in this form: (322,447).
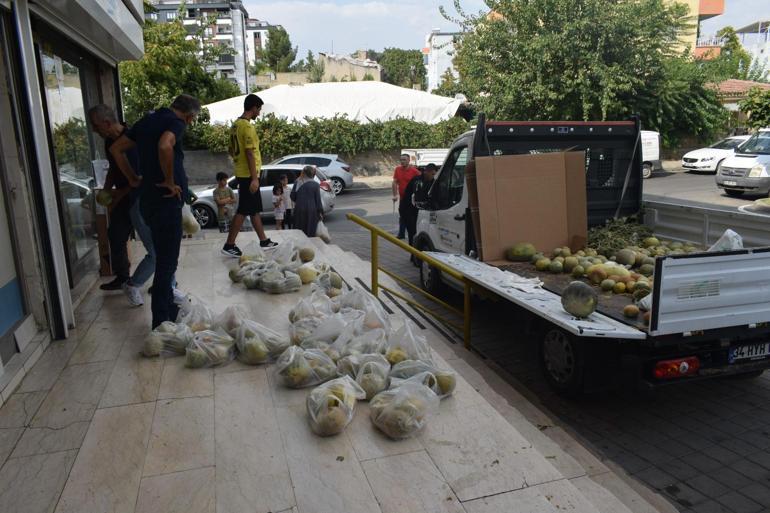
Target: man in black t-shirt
(158,138)
(414,196)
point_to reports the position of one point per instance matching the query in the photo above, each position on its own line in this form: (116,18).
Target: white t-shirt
(287,204)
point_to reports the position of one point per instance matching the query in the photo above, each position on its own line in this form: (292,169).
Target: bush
(278,137)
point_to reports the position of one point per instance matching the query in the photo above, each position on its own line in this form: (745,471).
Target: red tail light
(681,367)
(325,186)
(346,168)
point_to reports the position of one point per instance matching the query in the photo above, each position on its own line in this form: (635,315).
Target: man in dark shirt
(158,138)
(414,196)
(105,123)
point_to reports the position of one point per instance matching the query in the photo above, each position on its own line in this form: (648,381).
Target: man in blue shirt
(158,139)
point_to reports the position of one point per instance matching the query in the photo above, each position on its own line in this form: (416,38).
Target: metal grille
(698,289)
(733,171)
(690,160)
(601,168)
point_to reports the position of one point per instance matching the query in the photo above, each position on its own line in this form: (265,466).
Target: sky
(345,26)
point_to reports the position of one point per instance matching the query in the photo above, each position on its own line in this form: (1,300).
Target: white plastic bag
(190,225)
(376,316)
(169,338)
(402,412)
(330,406)
(209,349)
(369,342)
(406,344)
(316,304)
(230,319)
(729,241)
(328,349)
(196,315)
(330,283)
(298,368)
(323,232)
(286,255)
(258,344)
(325,329)
(280,282)
(442,382)
(369,370)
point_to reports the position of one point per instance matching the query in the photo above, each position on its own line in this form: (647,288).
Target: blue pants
(165,222)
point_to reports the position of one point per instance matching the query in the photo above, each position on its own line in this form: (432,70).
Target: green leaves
(278,137)
(757,106)
(278,52)
(403,68)
(584,60)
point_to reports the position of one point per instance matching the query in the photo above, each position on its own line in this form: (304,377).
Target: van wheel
(735,193)
(561,357)
(430,277)
(646,170)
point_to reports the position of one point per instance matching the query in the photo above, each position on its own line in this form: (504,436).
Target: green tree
(70,142)
(317,70)
(368,77)
(733,61)
(403,68)
(278,52)
(449,85)
(172,64)
(757,106)
(584,60)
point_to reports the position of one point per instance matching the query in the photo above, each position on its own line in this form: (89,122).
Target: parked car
(205,208)
(711,158)
(335,168)
(749,169)
(650,152)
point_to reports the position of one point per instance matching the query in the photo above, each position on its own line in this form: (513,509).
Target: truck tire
(430,277)
(646,170)
(561,358)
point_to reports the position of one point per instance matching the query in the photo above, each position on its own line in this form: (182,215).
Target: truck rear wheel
(430,277)
(561,357)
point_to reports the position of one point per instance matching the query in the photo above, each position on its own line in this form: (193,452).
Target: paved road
(705,446)
(687,187)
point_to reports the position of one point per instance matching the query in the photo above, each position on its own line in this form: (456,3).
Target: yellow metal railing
(377,232)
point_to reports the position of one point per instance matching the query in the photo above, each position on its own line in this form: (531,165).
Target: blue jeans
(146,267)
(165,221)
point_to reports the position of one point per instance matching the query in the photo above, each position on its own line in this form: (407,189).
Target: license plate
(730,182)
(750,352)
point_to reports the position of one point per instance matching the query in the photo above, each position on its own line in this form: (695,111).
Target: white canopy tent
(359,101)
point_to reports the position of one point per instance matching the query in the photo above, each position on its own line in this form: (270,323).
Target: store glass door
(62,80)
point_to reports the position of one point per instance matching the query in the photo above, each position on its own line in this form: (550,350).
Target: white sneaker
(134,295)
(180,297)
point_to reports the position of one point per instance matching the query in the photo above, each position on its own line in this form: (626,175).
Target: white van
(650,153)
(749,169)
(421,157)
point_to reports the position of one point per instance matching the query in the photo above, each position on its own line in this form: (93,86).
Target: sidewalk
(96,427)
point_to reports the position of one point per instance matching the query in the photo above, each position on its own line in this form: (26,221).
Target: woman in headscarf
(306,195)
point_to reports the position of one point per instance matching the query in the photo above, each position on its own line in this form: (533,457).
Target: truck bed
(610,304)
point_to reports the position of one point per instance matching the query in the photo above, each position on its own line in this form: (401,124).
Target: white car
(748,170)
(205,208)
(711,158)
(333,167)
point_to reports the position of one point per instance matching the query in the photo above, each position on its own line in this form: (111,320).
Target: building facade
(56,60)
(755,38)
(257,35)
(228,30)
(438,54)
(343,67)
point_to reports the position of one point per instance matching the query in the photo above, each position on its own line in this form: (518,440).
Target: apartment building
(228,30)
(755,38)
(438,53)
(256,37)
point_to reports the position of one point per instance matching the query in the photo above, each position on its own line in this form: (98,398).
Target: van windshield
(759,143)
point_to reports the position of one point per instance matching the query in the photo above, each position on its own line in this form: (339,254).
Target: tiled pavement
(705,446)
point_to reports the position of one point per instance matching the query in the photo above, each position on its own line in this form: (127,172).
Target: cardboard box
(531,198)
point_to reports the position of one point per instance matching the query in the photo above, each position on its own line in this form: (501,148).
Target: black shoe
(115,284)
(231,250)
(267,243)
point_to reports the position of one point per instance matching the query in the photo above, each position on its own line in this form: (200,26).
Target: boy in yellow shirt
(247,160)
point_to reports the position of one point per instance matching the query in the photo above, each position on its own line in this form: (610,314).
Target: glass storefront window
(72,151)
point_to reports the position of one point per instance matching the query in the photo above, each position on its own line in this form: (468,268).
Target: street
(690,187)
(705,446)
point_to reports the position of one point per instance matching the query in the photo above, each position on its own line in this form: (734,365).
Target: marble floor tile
(191,491)
(178,381)
(46,371)
(19,410)
(108,468)
(102,342)
(134,379)
(182,436)
(45,439)
(8,439)
(32,484)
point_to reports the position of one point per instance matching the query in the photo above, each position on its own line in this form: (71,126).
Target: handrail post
(375,264)
(467,314)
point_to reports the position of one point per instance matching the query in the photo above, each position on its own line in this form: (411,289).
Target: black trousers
(118,233)
(165,221)
(408,217)
(288,223)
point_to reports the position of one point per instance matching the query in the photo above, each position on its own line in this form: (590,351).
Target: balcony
(708,48)
(710,8)
(226,60)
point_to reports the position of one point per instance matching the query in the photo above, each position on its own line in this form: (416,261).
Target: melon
(646,270)
(557,252)
(596,274)
(607,285)
(536,257)
(650,242)
(570,263)
(640,293)
(543,264)
(520,252)
(578,271)
(625,257)
(619,288)
(306,254)
(579,299)
(556,267)
(648,261)
(565,251)
(631,311)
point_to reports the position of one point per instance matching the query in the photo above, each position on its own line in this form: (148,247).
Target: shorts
(279,214)
(248,204)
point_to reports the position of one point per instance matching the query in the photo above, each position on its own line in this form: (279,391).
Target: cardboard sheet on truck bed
(538,198)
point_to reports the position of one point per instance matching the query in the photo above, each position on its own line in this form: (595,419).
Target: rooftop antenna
(332,46)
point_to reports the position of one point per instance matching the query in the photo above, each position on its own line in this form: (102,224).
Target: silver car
(205,208)
(337,170)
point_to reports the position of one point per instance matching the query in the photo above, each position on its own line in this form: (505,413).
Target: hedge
(279,137)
